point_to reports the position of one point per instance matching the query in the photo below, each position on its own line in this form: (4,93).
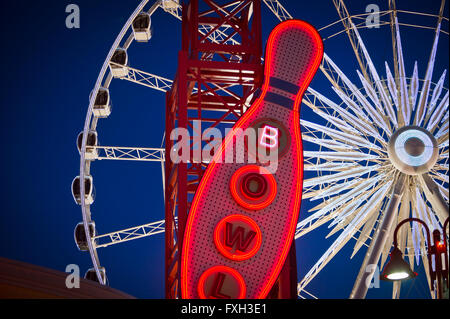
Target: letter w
(238,237)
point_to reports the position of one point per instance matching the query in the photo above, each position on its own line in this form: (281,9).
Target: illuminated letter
(269,134)
(217,286)
(238,237)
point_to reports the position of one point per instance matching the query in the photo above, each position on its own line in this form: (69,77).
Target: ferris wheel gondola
(102,105)
(91,143)
(89,191)
(142,27)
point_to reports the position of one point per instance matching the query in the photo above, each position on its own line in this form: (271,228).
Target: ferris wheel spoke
(442,137)
(337,122)
(378,117)
(340,156)
(346,235)
(307,293)
(345,175)
(376,78)
(278,10)
(130,153)
(345,94)
(431,190)
(350,29)
(431,109)
(416,234)
(404,235)
(420,113)
(419,212)
(424,212)
(147,79)
(129,234)
(375,116)
(414,87)
(352,209)
(445,118)
(335,204)
(322,216)
(392,86)
(331,190)
(359,125)
(341,136)
(441,177)
(437,116)
(365,233)
(328,166)
(371,93)
(444,191)
(330,144)
(405,110)
(442,167)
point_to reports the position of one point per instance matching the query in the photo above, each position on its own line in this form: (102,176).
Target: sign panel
(244,214)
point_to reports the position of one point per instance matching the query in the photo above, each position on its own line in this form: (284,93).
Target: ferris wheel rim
(84,163)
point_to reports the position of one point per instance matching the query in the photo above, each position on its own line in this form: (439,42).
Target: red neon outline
(272,186)
(224,251)
(191,218)
(233,272)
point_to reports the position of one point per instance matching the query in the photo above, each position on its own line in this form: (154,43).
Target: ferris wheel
(380,154)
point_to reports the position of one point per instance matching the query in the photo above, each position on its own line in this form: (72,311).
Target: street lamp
(397,269)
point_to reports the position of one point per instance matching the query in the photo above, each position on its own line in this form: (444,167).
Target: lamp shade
(397,269)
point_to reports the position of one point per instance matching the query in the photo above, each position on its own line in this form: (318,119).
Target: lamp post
(397,269)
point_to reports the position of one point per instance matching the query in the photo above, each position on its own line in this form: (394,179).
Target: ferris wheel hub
(413,150)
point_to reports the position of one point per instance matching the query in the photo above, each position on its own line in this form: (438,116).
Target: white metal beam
(130,153)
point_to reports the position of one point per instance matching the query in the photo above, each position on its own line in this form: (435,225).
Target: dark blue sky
(48,73)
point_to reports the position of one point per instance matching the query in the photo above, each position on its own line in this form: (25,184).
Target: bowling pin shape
(244,214)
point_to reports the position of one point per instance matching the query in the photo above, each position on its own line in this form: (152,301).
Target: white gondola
(170,4)
(141,27)
(92,275)
(88,189)
(80,235)
(91,143)
(119,63)
(102,105)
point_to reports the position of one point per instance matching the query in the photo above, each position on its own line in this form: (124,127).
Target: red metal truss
(219,71)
